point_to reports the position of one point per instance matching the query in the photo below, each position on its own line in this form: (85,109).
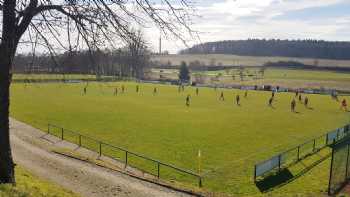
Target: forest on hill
(318,49)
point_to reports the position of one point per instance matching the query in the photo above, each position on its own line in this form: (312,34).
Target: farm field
(291,78)
(236,60)
(231,138)
(52,76)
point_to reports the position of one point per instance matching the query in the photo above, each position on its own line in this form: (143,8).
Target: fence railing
(117,153)
(295,154)
(339,174)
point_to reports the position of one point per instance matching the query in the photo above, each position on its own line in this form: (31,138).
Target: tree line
(130,61)
(319,49)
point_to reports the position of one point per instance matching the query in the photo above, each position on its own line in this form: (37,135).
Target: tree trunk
(6,162)
(8,47)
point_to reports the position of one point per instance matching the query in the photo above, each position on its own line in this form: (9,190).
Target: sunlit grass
(231,138)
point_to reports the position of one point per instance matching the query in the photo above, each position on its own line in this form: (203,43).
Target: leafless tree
(137,49)
(68,25)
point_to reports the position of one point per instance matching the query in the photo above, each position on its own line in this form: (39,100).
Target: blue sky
(283,19)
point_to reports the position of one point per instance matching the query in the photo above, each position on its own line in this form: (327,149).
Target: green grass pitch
(231,138)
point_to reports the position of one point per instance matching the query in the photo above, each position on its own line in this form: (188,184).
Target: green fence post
(347,163)
(298,153)
(79,140)
(62,133)
(279,162)
(337,135)
(100,151)
(254,173)
(313,148)
(48,128)
(126,159)
(200,181)
(158,169)
(330,174)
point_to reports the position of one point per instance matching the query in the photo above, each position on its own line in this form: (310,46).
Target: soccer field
(231,138)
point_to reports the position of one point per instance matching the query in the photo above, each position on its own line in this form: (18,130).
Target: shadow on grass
(284,176)
(274,180)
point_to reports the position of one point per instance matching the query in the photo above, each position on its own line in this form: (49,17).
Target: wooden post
(200,181)
(48,128)
(298,153)
(62,133)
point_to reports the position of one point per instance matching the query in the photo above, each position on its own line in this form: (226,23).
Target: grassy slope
(231,138)
(31,186)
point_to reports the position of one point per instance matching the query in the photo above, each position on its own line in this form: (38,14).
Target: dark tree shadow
(284,176)
(274,180)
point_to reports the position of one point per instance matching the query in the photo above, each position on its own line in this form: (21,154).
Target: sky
(270,19)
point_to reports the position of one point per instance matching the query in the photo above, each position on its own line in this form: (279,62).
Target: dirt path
(31,152)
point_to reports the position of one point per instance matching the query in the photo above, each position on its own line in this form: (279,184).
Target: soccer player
(197,91)
(300,98)
(293,105)
(222,98)
(273,94)
(306,102)
(137,88)
(297,93)
(336,97)
(188,100)
(238,100)
(154,91)
(85,89)
(123,88)
(246,94)
(116,91)
(344,105)
(270,102)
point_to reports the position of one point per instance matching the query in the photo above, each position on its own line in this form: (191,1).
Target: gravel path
(32,152)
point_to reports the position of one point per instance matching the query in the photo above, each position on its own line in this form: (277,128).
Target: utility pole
(160,44)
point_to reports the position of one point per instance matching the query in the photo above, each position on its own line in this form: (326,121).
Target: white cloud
(242,19)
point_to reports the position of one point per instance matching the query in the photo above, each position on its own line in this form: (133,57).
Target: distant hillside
(317,49)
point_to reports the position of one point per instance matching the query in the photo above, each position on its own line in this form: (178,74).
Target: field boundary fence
(297,153)
(99,146)
(339,174)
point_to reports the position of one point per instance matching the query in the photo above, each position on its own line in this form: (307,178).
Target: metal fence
(293,155)
(128,158)
(340,166)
